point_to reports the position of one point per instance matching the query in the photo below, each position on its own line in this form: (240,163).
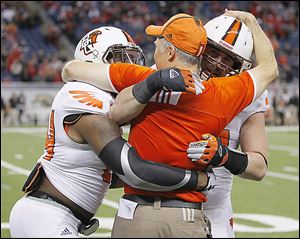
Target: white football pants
(221,219)
(35,217)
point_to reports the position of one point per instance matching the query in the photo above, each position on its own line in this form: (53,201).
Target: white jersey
(222,190)
(75,169)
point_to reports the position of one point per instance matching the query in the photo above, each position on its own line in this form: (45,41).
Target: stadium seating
(23,30)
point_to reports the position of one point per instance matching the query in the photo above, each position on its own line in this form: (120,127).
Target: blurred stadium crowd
(38,37)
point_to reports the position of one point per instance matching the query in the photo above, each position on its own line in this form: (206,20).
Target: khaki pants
(160,222)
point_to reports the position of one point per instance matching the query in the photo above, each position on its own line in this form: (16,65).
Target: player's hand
(210,183)
(245,17)
(180,80)
(208,151)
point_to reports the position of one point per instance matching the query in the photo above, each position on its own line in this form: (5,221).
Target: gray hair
(184,58)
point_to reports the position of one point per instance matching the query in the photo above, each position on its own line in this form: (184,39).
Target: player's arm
(250,164)
(254,143)
(92,73)
(132,100)
(103,135)
(126,107)
(266,70)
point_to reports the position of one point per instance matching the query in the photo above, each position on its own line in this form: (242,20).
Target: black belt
(164,202)
(38,194)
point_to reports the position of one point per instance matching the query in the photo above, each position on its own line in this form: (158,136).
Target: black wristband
(237,161)
(164,79)
(144,90)
(141,92)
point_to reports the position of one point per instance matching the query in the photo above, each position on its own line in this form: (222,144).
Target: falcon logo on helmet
(88,41)
(94,35)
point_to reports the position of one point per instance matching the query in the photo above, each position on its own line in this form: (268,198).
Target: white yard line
(292,151)
(283,176)
(282,128)
(283,148)
(24,130)
(14,168)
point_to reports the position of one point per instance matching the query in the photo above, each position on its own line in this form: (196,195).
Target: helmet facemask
(130,53)
(219,62)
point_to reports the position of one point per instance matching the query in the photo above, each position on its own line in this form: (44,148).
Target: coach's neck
(183,65)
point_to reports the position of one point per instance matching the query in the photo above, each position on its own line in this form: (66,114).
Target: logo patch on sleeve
(87,97)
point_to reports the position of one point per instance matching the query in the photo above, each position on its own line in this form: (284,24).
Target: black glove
(167,79)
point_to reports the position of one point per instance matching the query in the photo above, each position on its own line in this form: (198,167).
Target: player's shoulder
(83,97)
(80,85)
(261,104)
(76,88)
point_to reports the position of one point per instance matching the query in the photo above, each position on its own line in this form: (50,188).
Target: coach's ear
(171,52)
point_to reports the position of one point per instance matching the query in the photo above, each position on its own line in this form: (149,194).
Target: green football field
(265,209)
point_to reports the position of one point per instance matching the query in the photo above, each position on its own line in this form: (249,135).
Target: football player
(228,52)
(83,146)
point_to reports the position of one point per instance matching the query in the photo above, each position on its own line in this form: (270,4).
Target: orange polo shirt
(171,120)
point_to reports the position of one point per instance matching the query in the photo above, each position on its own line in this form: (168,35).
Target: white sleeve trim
(109,80)
(153,67)
(254,85)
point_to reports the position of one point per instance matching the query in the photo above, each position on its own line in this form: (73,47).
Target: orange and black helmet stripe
(232,33)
